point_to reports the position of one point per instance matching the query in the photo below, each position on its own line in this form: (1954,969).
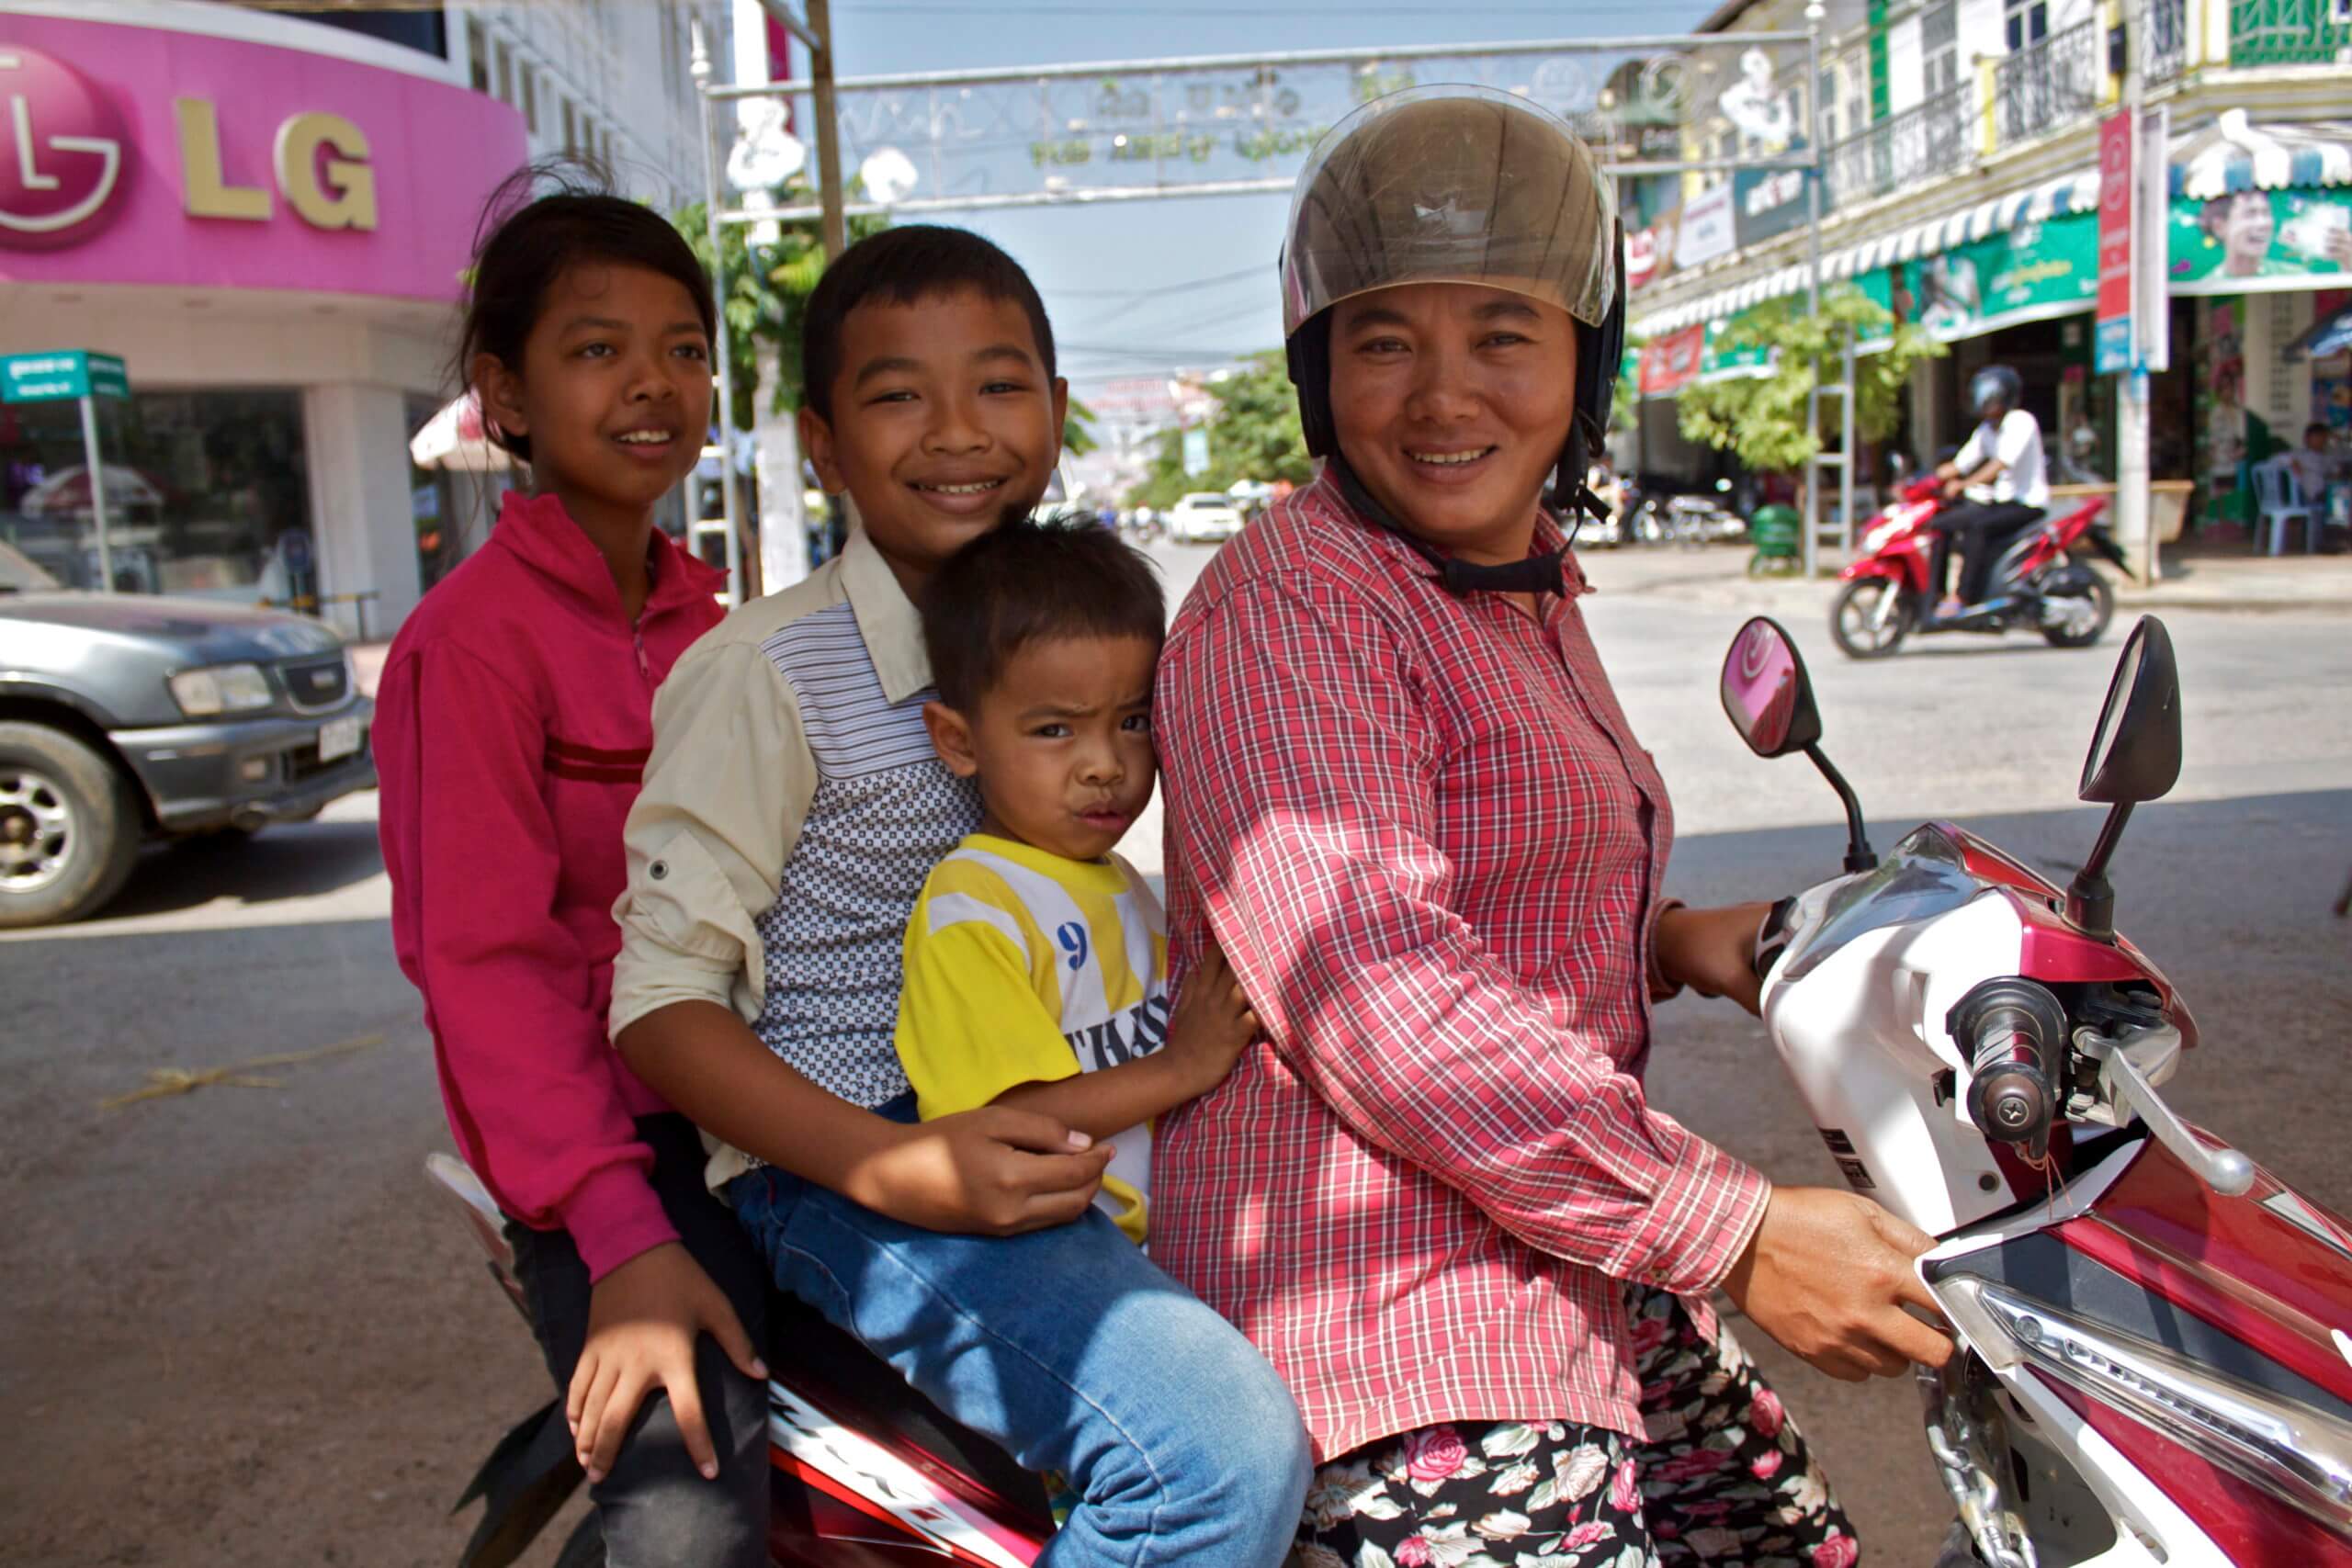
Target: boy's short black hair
(898,266)
(1030,581)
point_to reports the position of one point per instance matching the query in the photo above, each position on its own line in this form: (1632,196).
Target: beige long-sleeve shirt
(791,810)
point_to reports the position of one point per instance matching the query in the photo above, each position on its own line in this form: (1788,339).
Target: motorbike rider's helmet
(1456,185)
(1995,383)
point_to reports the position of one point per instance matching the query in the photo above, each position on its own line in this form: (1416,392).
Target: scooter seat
(865,1393)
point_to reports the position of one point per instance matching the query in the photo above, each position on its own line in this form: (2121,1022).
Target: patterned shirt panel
(886,811)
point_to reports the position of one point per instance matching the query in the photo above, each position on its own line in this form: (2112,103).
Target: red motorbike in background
(2037,584)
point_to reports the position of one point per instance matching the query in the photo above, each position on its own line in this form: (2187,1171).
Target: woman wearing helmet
(1404,799)
(2000,470)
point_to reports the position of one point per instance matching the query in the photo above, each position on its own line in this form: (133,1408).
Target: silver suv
(125,717)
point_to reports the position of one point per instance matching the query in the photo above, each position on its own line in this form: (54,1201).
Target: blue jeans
(1073,1351)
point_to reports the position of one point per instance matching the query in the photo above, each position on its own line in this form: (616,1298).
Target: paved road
(239,1329)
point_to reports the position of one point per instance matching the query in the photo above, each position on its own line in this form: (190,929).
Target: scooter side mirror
(2135,755)
(1766,694)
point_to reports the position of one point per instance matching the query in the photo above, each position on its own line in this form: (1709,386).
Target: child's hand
(643,1318)
(994,1171)
(1212,1025)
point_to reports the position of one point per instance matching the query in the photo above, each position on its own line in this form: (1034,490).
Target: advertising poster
(2032,273)
(1671,361)
(1707,229)
(2254,242)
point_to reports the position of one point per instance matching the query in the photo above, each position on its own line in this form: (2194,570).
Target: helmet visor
(1451,185)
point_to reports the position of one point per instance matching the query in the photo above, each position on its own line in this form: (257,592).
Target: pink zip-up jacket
(513,723)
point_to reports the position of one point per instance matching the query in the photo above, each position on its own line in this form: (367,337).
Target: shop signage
(61,152)
(1707,229)
(1641,257)
(2115,248)
(2259,242)
(1766,202)
(220,152)
(62,375)
(2032,273)
(1672,361)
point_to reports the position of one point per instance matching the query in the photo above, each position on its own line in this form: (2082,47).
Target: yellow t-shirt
(1026,967)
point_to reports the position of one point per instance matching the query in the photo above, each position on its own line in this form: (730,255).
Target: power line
(1260,271)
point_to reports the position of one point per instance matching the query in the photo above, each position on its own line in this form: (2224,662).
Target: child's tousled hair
(541,221)
(898,266)
(1029,581)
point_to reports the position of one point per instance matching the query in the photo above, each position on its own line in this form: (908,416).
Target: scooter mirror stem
(1859,856)
(2090,898)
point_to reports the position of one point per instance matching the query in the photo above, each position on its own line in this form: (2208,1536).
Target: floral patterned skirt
(1723,1477)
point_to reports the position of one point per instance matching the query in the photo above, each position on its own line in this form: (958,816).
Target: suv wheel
(69,827)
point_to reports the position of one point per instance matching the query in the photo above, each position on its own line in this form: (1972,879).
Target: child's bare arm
(1206,1034)
(995,1171)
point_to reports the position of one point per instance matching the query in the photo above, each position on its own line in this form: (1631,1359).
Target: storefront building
(1960,188)
(268,221)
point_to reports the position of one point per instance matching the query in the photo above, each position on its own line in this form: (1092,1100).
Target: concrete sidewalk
(2214,578)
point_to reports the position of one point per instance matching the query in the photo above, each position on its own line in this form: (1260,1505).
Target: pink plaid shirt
(1427,840)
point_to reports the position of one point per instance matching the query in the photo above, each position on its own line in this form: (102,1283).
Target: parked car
(1205,515)
(125,717)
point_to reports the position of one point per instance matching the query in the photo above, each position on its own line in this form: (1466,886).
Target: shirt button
(658,870)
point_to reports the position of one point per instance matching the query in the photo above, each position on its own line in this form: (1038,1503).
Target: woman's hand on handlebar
(1713,951)
(1828,1275)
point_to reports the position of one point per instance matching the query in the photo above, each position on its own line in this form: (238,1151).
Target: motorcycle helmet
(1455,185)
(1995,383)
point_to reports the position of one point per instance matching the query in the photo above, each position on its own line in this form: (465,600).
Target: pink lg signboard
(133,154)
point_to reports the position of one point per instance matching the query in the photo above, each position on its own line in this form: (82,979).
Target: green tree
(1254,435)
(1760,419)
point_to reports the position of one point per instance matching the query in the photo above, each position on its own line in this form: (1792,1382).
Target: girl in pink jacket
(513,719)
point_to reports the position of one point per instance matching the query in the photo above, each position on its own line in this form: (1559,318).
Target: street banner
(1672,361)
(1707,229)
(2032,273)
(2260,241)
(2116,148)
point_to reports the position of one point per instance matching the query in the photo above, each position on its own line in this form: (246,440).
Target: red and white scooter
(864,1472)
(2154,1333)
(2036,584)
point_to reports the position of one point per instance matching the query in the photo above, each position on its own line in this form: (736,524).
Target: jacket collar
(887,622)
(542,534)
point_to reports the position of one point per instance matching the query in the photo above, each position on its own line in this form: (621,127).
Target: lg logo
(63,160)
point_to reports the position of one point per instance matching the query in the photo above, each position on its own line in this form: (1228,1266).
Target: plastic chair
(2278,501)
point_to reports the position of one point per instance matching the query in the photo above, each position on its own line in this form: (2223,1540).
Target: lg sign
(64,162)
(65,154)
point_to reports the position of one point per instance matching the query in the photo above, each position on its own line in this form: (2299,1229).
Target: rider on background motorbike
(2000,470)
(1405,801)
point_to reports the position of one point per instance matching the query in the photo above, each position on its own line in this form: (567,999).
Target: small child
(1036,961)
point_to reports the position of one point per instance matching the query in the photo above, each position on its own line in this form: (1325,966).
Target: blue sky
(1152,281)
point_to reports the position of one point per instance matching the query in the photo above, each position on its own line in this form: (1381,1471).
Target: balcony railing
(2048,84)
(2286,32)
(2163,41)
(1936,136)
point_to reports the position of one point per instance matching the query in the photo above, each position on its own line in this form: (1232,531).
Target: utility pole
(1811,547)
(2134,515)
(701,68)
(827,128)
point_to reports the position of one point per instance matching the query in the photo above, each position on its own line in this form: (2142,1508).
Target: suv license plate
(338,738)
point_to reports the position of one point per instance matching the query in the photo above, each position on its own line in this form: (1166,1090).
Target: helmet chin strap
(1536,574)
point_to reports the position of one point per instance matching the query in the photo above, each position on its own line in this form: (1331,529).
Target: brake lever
(2223,1169)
